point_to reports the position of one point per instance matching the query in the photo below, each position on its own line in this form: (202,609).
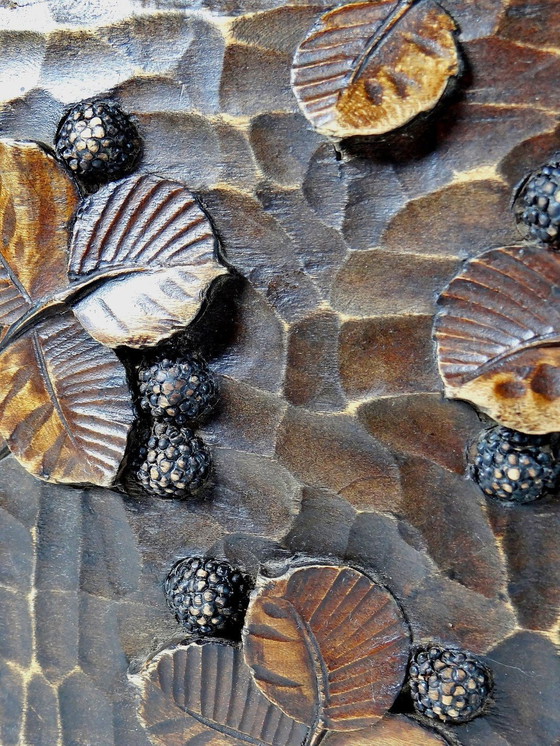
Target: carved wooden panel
(332,439)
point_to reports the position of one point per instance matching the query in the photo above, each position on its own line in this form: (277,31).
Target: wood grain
(327,645)
(498,335)
(369,68)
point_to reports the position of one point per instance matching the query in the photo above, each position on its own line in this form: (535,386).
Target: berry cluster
(448,685)
(97,141)
(515,467)
(208,597)
(540,204)
(176,394)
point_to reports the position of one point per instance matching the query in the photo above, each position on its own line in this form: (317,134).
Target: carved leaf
(154,247)
(369,68)
(393,730)
(37,203)
(498,336)
(205,694)
(65,408)
(328,645)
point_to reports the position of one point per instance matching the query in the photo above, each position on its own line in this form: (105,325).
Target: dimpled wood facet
(369,68)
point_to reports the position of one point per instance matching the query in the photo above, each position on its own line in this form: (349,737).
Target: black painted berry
(175,463)
(514,466)
(208,597)
(180,391)
(97,141)
(448,685)
(540,204)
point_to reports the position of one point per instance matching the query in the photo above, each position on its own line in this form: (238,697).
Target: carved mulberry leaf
(369,68)
(498,337)
(205,694)
(328,645)
(154,252)
(65,408)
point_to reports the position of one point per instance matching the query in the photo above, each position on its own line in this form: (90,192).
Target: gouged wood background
(333,438)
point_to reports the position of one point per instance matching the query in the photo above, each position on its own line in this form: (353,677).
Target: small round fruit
(208,597)
(539,207)
(175,463)
(97,141)
(513,466)
(181,391)
(448,685)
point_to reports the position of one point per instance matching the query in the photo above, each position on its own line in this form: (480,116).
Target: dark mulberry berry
(97,141)
(448,685)
(513,466)
(540,204)
(175,463)
(181,391)
(208,597)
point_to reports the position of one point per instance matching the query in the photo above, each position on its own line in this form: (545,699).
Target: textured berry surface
(448,685)
(513,466)
(181,391)
(175,463)
(541,204)
(208,597)
(97,141)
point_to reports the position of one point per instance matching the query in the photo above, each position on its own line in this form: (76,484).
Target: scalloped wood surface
(333,438)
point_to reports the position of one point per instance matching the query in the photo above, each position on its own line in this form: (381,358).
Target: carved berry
(514,466)
(448,685)
(208,597)
(97,141)
(540,204)
(180,391)
(175,463)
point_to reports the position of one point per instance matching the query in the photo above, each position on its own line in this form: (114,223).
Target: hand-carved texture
(205,694)
(327,244)
(152,240)
(498,334)
(369,68)
(65,408)
(328,645)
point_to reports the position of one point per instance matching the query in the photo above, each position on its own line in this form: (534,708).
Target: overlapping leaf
(65,408)
(498,335)
(369,68)
(205,694)
(328,645)
(142,256)
(153,245)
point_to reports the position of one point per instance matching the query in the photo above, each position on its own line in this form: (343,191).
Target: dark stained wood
(327,645)
(498,334)
(364,468)
(369,68)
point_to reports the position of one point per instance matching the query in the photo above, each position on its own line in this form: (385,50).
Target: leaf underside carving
(155,247)
(328,645)
(205,694)
(498,337)
(369,68)
(65,408)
